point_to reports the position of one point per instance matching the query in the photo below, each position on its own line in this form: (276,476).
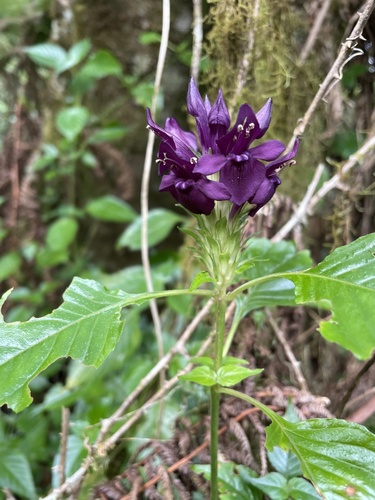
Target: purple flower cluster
(222,166)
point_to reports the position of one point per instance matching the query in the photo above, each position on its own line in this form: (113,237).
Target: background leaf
(86,326)
(346,279)
(267,257)
(275,485)
(9,265)
(284,462)
(110,208)
(15,474)
(71,121)
(49,55)
(160,223)
(61,233)
(75,55)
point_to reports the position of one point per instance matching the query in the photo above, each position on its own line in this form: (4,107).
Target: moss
(264,48)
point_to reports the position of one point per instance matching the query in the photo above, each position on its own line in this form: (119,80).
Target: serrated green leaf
(86,326)
(71,121)
(336,455)
(199,279)
(15,474)
(202,375)
(346,279)
(229,375)
(49,55)
(160,223)
(273,484)
(61,234)
(110,208)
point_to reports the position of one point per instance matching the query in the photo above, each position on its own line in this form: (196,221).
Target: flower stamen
(249,128)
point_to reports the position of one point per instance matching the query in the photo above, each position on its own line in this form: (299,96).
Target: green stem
(215,390)
(214,445)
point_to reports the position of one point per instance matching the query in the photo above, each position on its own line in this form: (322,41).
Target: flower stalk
(220,309)
(220,179)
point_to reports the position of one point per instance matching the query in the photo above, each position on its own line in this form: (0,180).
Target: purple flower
(240,174)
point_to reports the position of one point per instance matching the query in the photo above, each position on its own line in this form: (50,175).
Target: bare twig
(14,172)
(63,443)
(288,352)
(146,180)
(354,383)
(111,441)
(107,423)
(335,181)
(303,207)
(314,32)
(197,39)
(104,446)
(347,52)
(8,494)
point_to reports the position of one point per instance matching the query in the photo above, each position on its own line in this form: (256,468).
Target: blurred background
(75,79)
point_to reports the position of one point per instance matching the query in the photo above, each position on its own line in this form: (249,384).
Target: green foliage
(15,473)
(160,223)
(55,57)
(336,455)
(9,265)
(110,208)
(278,487)
(230,373)
(86,326)
(233,481)
(345,281)
(70,122)
(264,257)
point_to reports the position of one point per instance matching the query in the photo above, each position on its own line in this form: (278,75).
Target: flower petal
(160,132)
(210,164)
(264,193)
(188,138)
(239,138)
(218,114)
(264,118)
(213,189)
(269,150)
(193,199)
(243,179)
(197,108)
(283,161)
(169,157)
